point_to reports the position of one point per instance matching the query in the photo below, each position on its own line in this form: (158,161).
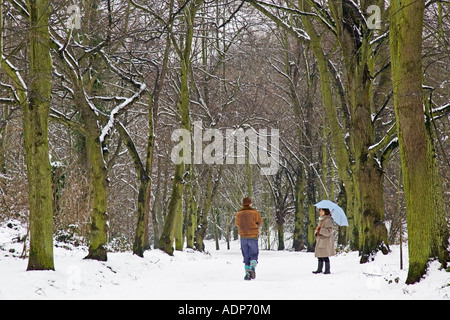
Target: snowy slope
(216,275)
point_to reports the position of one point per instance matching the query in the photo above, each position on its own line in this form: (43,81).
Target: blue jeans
(250,250)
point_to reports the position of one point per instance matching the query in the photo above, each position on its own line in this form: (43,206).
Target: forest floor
(191,275)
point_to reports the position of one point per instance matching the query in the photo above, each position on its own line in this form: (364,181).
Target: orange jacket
(248,220)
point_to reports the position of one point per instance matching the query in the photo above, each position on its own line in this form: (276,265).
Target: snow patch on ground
(214,275)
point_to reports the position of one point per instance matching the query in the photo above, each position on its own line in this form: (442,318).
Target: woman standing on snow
(324,241)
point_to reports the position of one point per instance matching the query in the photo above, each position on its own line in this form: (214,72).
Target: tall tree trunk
(174,216)
(142,219)
(406,23)
(367,172)
(203,218)
(337,135)
(303,131)
(35,119)
(157,207)
(179,225)
(95,163)
(280,232)
(97,172)
(175,208)
(99,179)
(216,222)
(312,224)
(141,240)
(175,205)
(440,227)
(191,219)
(167,236)
(298,239)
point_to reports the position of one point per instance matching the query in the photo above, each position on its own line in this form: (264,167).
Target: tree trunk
(99,179)
(179,225)
(441,231)
(166,241)
(367,172)
(215,217)
(406,23)
(167,236)
(35,119)
(337,134)
(141,240)
(312,224)
(280,231)
(191,219)
(203,219)
(298,242)
(158,208)
(142,217)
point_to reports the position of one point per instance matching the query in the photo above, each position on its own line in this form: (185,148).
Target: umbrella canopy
(337,213)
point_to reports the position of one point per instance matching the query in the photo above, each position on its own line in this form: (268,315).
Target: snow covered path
(191,275)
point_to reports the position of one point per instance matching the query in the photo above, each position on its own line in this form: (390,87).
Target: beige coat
(325,238)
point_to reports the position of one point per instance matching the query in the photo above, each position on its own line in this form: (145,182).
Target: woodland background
(142,69)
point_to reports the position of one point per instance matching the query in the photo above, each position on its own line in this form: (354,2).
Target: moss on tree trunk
(99,216)
(425,220)
(35,120)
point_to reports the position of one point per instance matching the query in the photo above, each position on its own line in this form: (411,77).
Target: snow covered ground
(191,275)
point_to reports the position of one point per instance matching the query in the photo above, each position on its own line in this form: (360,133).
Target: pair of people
(248,220)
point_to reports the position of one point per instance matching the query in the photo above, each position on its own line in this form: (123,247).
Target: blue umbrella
(337,213)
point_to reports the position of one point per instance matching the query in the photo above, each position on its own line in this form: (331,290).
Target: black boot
(319,266)
(327,266)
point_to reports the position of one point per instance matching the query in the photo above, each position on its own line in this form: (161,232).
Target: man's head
(246,202)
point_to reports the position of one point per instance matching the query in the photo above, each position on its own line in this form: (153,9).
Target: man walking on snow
(248,220)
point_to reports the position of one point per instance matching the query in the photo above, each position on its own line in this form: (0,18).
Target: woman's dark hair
(327,211)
